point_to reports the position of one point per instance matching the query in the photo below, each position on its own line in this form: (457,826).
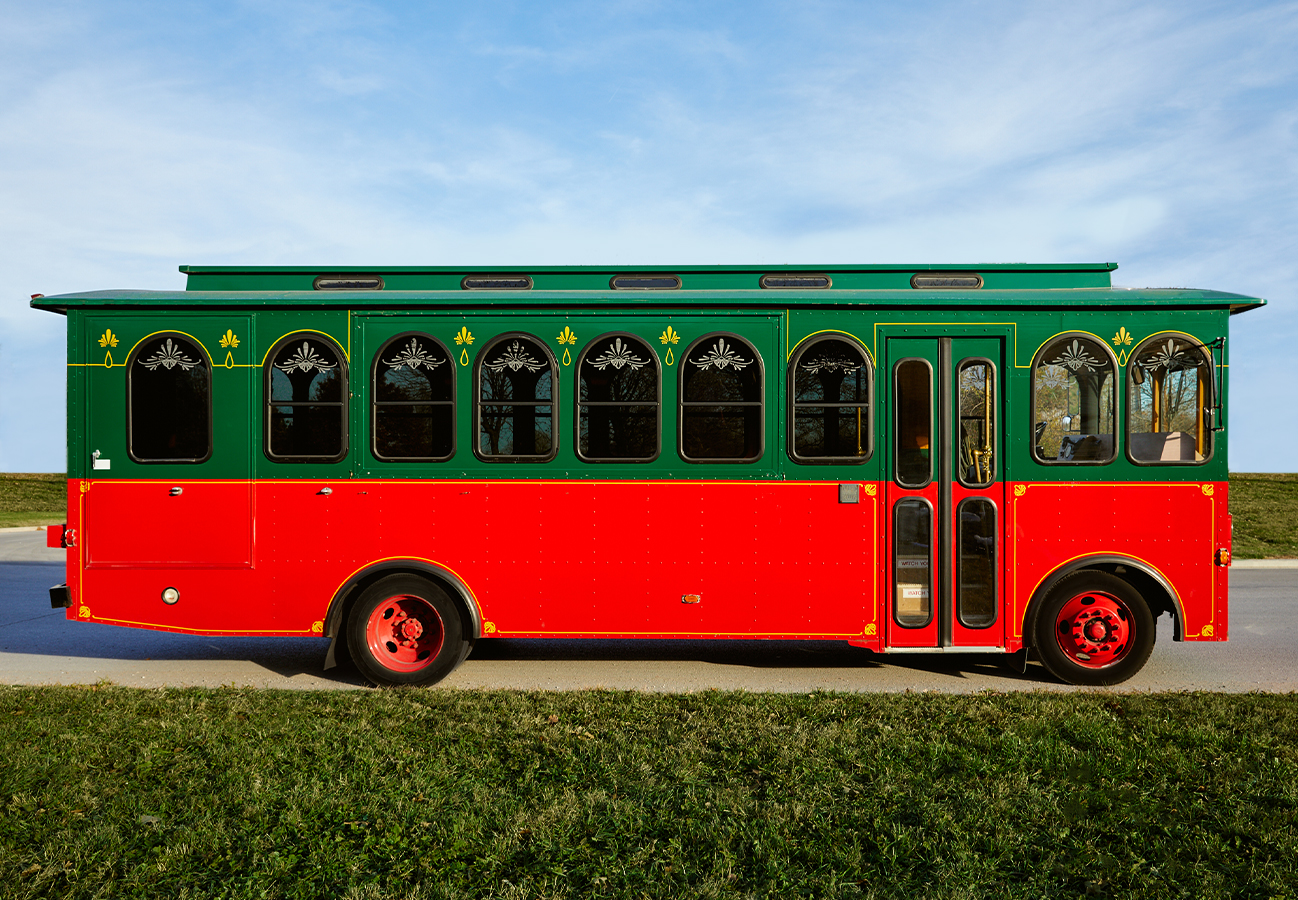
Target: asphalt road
(39,646)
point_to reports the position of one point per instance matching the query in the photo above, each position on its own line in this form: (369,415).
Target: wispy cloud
(134,137)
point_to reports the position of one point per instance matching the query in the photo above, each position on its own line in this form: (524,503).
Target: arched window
(721,400)
(618,400)
(306,400)
(169,401)
(829,386)
(413,400)
(1170,396)
(515,400)
(1074,395)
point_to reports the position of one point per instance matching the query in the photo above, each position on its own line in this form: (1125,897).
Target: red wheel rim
(1094,629)
(405,633)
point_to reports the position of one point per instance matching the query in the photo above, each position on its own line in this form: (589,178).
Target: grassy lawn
(1265,512)
(32,499)
(411,794)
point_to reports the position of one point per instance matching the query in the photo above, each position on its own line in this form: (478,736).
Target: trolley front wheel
(406,630)
(1094,629)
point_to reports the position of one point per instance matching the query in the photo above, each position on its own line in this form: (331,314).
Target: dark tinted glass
(414,385)
(721,408)
(831,386)
(914,415)
(618,401)
(307,413)
(515,393)
(912,563)
(976,598)
(170,397)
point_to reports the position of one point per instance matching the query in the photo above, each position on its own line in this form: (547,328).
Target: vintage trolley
(946,459)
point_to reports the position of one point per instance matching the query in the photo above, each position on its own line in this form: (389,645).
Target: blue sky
(136,136)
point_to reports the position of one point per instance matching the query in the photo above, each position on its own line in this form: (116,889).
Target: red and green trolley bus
(946,459)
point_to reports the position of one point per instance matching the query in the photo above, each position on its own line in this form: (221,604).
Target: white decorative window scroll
(413,356)
(1075,358)
(824,364)
(169,355)
(619,356)
(305,360)
(1168,357)
(722,356)
(515,358)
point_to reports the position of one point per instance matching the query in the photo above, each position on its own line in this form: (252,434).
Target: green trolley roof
(1026,285)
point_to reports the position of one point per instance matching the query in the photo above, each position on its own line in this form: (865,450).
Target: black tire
(406,630)
(1095,629)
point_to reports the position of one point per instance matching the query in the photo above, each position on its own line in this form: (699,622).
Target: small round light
(170,596)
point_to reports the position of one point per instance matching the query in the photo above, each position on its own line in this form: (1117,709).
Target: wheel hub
(405,633)
(1094,629)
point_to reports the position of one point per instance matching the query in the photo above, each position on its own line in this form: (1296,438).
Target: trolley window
(721,401)
(306,400)
(515,400)
(618,400)
(169,401)
(1169,394)
(1073,399)
(413,399)
(830,380)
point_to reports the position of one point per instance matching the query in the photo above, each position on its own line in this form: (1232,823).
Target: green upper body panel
(235,316)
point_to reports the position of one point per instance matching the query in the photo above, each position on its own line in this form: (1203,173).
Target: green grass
(1264,508)
(32,499)
(410,794)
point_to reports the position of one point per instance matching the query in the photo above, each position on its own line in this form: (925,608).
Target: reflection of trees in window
(721,400)
(170,401)
(831,395)
(1073,393)
(617,402)
(414,405)
(1169,390)
(977,389)
(516,399)
(307,388)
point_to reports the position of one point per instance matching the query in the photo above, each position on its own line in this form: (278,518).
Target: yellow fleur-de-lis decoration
(566,336)
(669,336)
(464,337)
(229,340)
(1122,338)
(108,339)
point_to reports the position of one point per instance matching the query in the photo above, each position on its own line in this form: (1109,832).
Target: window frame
(895,425)
(578,403)
(798,353)
(682,404)
(135,354)
(268,402)
(1205,355)
(994,408)
(1054,341)
(375,403)
(553,402)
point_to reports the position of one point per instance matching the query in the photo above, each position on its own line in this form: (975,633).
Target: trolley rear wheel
(404,629)
(1095,629)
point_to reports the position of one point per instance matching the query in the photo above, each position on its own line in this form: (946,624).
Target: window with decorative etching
(515,400)
(414,400)
(1074,393)
(618,401)
(169,397)
(830,380)
(306,394)
(721,400)
(1170,401)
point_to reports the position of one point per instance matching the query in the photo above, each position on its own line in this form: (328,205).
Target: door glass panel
(977,391)
(976,568)
(914,414)
(912,563)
